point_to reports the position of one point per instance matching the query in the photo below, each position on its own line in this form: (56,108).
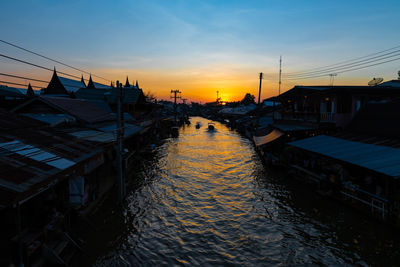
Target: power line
(24,78)
(358,68)
(38,66)
(19,84)
(347,66)
(57,61)
(346,61)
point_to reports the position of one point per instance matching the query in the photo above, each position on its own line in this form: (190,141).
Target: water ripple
(208,201)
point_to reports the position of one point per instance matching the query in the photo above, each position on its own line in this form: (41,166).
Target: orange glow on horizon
(196,86)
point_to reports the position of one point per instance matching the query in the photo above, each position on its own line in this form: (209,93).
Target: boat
(175,131)
(211,126)
(198,125)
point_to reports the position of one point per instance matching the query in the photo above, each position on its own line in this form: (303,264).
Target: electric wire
(57,61)
(19,84)
(350,65)
(342,62)
(23,78)
(38,66)
(358,68)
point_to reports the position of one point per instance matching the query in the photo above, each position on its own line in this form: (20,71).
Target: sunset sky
(200,47)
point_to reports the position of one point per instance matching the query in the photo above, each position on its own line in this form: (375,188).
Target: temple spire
(90,83)
(137,84)
(30,92)
(55,87)
(83,80)
(127,84)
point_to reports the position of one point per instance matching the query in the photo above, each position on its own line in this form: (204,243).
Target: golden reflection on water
(204,205)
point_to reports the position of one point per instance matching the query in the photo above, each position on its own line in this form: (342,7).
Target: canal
(206,199)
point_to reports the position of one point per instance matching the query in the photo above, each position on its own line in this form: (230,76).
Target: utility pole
(332,78)
(120,136)
(259,89)
(279,85)
(175,96)
(280,75)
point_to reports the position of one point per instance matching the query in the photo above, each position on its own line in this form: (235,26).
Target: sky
(200,46)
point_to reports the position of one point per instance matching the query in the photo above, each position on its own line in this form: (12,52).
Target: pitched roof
(71,85)
(101,86)
(127,84)
(91,93)
(90,83)
(392,83)
(32,157)
(55,86)
(94,85)
(81,109)
(30,91)
(83,81)
(12,91)
(370,90)
(381,159)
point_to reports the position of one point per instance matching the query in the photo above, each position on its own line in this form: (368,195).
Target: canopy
(262,140)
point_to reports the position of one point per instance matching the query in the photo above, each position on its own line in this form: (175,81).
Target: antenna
(375,81)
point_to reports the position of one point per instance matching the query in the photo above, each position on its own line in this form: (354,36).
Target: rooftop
(380,159)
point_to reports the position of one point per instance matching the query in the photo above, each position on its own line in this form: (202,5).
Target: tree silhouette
(248,99)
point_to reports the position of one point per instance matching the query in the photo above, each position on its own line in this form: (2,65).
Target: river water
(206,199)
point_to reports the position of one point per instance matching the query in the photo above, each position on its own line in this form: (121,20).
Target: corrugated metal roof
(51,119)
(106,134)
(101,104)
(71,85)
(129,129)
(91,93)
(12,121)
(381,159)
(12,91)
(32,157)
(101,86)
(263,140)
(94,136)
(81,109)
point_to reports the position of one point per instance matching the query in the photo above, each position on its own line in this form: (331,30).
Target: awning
(262,140)
(381,159)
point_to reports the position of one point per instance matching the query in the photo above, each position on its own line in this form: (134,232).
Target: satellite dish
(375,81)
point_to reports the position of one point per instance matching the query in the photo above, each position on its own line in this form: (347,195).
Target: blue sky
(202,44)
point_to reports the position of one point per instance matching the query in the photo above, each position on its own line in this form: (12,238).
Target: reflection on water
(206,200)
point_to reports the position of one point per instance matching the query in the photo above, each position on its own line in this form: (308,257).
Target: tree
(248,99)
(150,96)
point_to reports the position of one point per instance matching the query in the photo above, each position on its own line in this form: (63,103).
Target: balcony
(306,116)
